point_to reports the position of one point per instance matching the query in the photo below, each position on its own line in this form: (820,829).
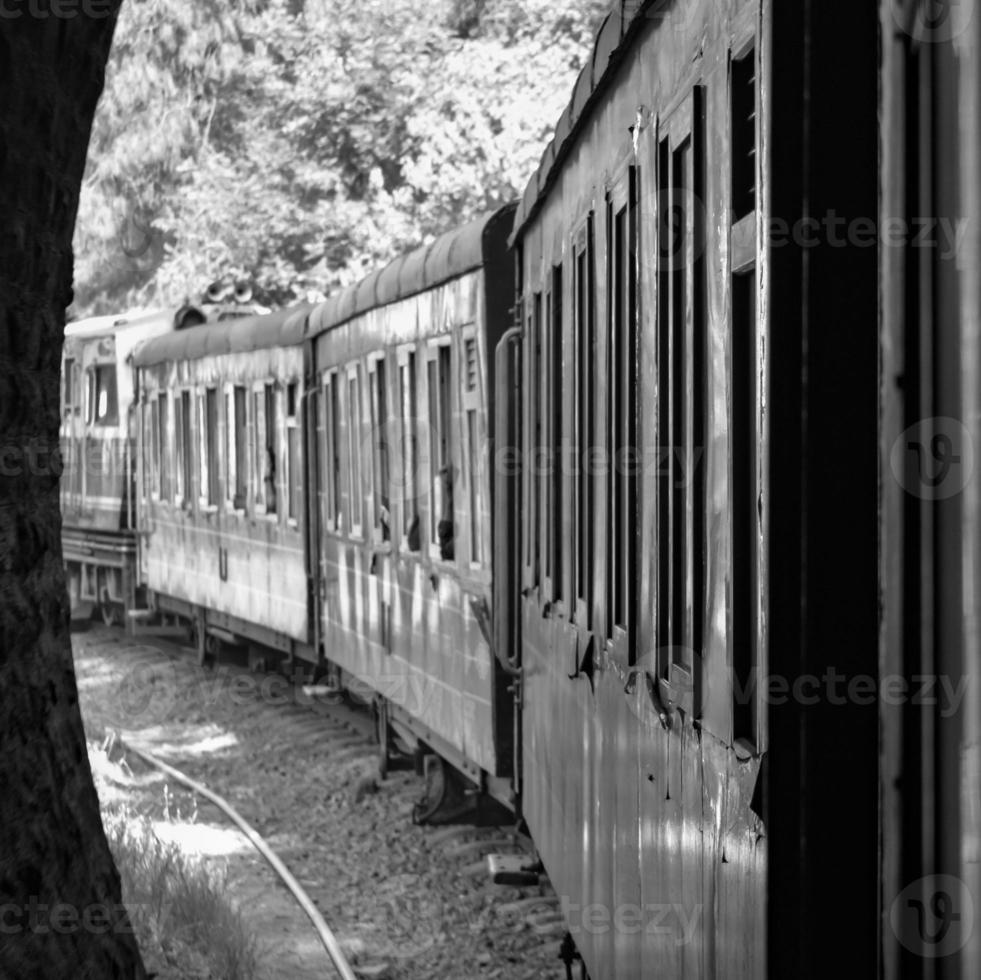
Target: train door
(507,522)
(325,461)
(380,563)
(313,427)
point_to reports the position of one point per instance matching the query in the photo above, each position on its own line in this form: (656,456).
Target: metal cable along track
(327,937)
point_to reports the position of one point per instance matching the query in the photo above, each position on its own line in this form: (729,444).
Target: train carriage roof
(283,328)
(114,323)
(451,255)
(614,36)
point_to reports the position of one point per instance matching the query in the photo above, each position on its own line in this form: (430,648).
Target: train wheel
(445,798)
(208,651)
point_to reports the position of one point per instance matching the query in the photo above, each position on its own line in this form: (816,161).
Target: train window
(294,462)
(744,398)
(103,409)
(743,110)
(68,382)
(440,454)
(553,384)
(202,416)
(210,435)
(474,450)
(330,466)
(164,445)
(144,448)
(473,478)
(269,477)
(228,453)
(681,389)
(75,381)
(744,455)
(178,450)
(355,485)
(539,460)
(584,413)
(259,449)
(533,435)
(621,395)
(182,431)
(410,449)
(241,449)
(155,448)
(382,505)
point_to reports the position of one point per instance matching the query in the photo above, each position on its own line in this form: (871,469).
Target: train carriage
(403,414)
(642,620)
(98,451)
(221,504)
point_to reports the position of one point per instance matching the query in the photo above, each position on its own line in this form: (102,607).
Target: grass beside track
(185,926)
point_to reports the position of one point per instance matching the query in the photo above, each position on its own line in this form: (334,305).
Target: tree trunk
(60,910)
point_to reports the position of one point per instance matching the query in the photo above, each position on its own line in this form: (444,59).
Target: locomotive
(589,496)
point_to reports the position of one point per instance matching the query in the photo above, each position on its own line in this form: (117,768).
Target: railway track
(405,901)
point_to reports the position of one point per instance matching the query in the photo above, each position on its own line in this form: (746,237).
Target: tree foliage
(298,144)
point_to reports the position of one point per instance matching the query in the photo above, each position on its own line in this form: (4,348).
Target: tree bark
(60,902)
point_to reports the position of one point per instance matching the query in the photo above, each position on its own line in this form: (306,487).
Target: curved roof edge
(615,34)
(283,328)
(452,254)
(111,323)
